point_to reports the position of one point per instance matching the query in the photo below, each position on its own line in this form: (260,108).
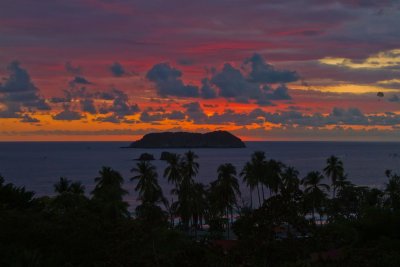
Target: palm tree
(342,183)
(109,193)
(393,190)
(251,181)
(77,188)
(66,186)
(272,177)
(334,170)
(184,189)
(258,162)
(289,185)
(315,189)
(189,165)
(62,185)
(254,171)
(228,188)
(149,190)
(173,171)
(198,205)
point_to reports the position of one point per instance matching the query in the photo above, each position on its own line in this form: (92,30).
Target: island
(216,139)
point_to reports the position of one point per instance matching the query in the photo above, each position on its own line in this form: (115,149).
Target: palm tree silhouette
(77,188)
(254,173)
(228,188)
(315,189)
(289,185)
(198,205)
(272,176)
(149,190)
(342,183)
(189,165)
(189,169)
(66,186)
(173,172)
(62,185)
(109,193)
(258,162)
(251,181)
(334,170)
(392,190)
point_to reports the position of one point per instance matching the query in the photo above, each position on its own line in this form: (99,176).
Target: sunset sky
(264,70)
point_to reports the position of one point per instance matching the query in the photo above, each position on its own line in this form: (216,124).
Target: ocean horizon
(38,165)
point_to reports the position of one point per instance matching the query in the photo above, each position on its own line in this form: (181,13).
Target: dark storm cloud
(194,112)
(121,106)
(57,100)
(117,70)
(234,85)
(351,116)
(176,115)
(67,115)
(88,106)
(105,95)
(77,93)
(79,80)
(168,81)
(280,93)
(111,118)
(18,92)
(262,72)
(207,91)
(75,70)
(229,116)
(338,116)
(146,116)
(28,119)
(290,118)
(74,93)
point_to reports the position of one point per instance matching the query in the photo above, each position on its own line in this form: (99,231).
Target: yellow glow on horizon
(353,88)
(380,60)
(392,81)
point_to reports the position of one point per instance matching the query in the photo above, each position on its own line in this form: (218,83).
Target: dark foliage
(296,224)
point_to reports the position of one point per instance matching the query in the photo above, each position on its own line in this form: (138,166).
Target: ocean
(38,165)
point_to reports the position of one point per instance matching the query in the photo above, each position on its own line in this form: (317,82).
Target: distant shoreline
(245,141)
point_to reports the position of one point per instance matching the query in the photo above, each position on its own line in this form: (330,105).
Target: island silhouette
(215,139)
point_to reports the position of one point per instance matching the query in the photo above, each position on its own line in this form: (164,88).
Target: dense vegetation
(320,220)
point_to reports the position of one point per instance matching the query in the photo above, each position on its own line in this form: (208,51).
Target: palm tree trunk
(155,253)
(251,198)
(258,192)
(227,220)
(195,231)
(334,191)
(262,190)
(313,211)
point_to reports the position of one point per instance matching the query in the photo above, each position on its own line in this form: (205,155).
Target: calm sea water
(38,165)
